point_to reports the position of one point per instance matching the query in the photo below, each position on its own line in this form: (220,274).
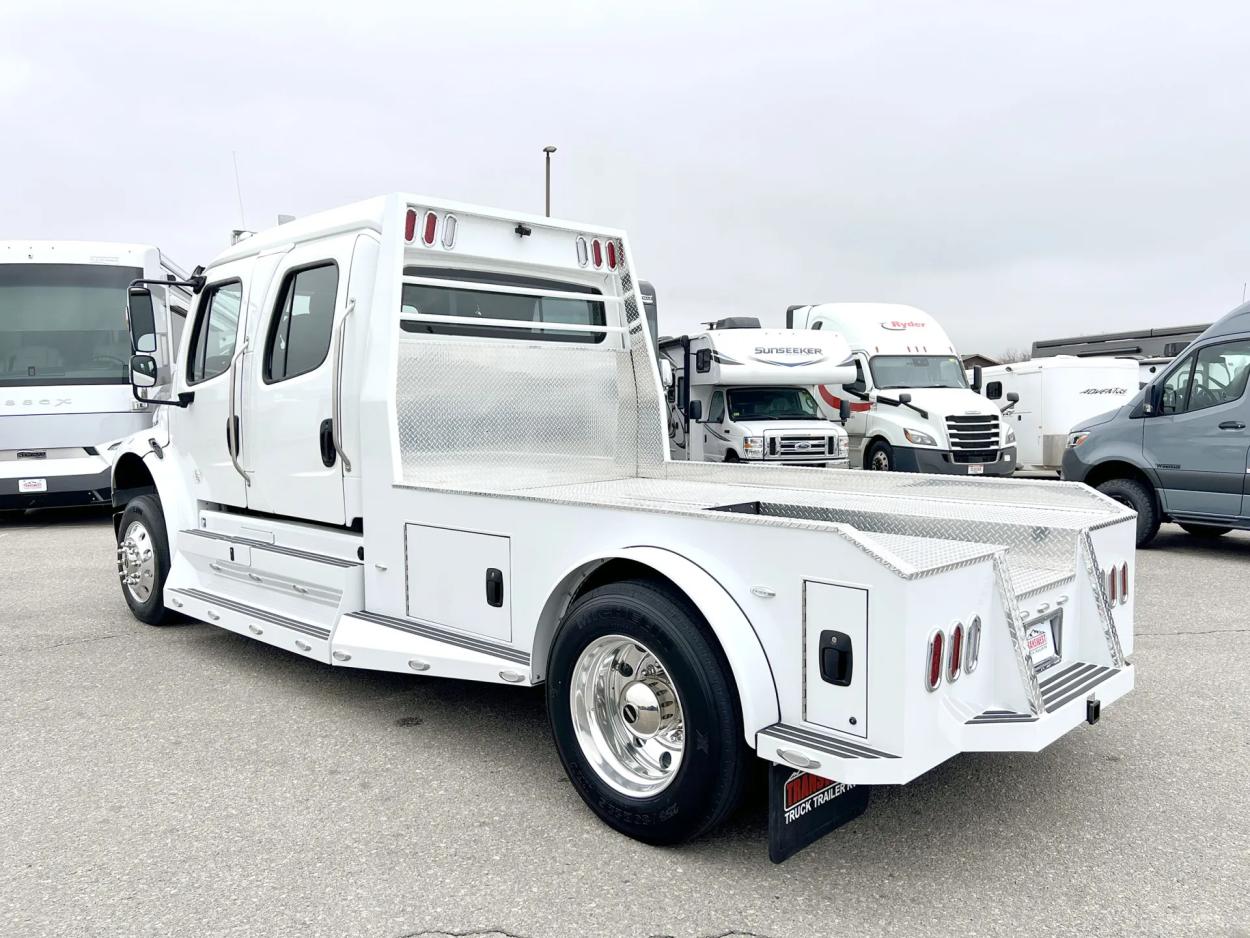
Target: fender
(757,690)
(166,475)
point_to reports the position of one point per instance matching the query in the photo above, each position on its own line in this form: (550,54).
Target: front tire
(1137,496)
(645,713)
(143,559)
(880,457)
(1206,531)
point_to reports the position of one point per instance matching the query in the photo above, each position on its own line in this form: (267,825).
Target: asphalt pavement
(185,781)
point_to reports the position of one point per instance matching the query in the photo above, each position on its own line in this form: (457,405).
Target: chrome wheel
(136,561)
(627,716)
(880,461)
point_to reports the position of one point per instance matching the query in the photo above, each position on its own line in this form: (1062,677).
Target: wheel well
(1116,469)
(131,479)
(870,443)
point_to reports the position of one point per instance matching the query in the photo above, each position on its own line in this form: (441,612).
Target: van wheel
(1137,496)
(1204,530)
(143,559)
(645,713)
(880,457)
(731,456)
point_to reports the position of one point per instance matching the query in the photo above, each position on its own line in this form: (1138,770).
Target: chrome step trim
(274,548)
(842,749)
(446,636)
(295,625)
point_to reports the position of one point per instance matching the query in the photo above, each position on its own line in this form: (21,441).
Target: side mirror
(1154,399)
(142,371)
(666,373)
(904,398)
(976,378)
(1013,397)
(844,411)
(142,320)
(695,411)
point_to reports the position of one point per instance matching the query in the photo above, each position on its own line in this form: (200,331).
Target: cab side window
(212,343)
(1220,374)
(302,321)
(859,385)
(1176,388)
(716,410)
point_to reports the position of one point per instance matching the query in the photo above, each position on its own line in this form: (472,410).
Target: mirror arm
(184,398)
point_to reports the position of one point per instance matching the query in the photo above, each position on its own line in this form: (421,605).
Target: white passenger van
(422,437)
(64,364)
(1053,395)
(741,393)
(911,406)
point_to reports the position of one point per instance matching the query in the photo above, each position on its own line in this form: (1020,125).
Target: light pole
(549,151)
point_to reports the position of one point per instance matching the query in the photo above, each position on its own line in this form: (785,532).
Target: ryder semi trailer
(428,438)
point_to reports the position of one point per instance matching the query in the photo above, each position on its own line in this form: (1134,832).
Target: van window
(1176,388)
(994,390)
(302,321)
(716,410)
(1219,375)
(468,304)
(212,343)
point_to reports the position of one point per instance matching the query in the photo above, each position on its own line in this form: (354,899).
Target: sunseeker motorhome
(64,363)
(749,388)
(911,406)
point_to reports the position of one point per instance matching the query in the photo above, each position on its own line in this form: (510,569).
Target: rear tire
(880,457)
(1137,496)
(674,767)
(143,559)
(1204,530)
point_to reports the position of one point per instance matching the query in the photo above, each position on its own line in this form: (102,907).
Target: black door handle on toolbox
(1232,425)
(837,658)
(494,587)
(328,454)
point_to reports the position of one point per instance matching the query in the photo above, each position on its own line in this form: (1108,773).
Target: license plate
(32,485)
(976,469)
(1040,640)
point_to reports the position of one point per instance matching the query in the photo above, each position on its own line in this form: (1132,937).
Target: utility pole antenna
(1243,291)
(238,187)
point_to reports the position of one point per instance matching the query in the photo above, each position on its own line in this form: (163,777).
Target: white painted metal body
(1056,394)
(487,448)
(771,366)
(65,394)
(965,434)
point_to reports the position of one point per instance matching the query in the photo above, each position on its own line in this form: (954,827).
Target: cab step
(302,637)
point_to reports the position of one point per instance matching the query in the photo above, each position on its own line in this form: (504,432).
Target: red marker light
(596,251)
(410,224)
(612,255)
(431,225)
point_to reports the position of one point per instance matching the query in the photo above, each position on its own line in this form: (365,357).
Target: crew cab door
(1199,440)
(288,426)
(203,429)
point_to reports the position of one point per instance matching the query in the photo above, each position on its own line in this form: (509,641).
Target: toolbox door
(835,664)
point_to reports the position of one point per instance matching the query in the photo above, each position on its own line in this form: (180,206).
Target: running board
(303,638)
(819,753)
(409,646)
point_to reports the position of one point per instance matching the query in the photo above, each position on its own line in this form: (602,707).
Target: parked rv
(64,364)
(1053,395)
(1178,450)
(741,393)
(444,454)
(911,405)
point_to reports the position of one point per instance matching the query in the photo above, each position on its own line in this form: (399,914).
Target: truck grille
(800,446)
(979,432)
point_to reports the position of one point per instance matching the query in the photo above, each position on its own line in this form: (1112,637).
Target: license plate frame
(32,486)
(976,469)
(1043,640)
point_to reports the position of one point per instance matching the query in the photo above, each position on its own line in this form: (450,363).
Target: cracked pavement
(185,781)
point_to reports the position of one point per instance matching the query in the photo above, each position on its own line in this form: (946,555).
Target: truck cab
(1179,449)
(750,405)
(912,408)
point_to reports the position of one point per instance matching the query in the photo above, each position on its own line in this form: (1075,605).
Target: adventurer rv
(911,405)
(741,393)
(363,510)
(1053,395)
(64,364)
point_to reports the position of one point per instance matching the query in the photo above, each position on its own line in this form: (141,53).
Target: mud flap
(803,807)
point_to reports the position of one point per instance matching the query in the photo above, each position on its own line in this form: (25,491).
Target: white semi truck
(911,406)
(64,364)
(740,393)
(429,438)
(1044,398)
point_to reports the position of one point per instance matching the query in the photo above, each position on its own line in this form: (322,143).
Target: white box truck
(65,348)
(911,406)
(1053,395)
(741,393)
(423,437)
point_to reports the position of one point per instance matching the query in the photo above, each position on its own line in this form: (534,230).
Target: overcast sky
(1020,170)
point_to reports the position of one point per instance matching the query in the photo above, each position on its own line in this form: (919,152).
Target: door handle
(494,587)
(1232,425)
(328,452)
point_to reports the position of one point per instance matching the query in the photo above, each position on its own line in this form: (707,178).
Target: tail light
(1113,583)
(972,653)
(596,251)
(410,224)
(583,252)
(1123,583)
(933,671)
(431,225)
(955,665)
(449,231)
(612,255)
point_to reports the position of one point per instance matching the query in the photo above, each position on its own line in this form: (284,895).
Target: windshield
(918,371)
(64,324)
(772,404)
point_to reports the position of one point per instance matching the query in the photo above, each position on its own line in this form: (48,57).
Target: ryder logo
(899,325)
(805,792)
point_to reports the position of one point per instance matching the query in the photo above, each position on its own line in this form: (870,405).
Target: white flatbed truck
(429,438)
